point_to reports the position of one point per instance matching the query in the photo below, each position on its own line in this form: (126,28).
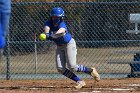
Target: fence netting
(99,28)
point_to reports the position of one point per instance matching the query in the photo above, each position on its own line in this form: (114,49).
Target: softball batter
(66,48)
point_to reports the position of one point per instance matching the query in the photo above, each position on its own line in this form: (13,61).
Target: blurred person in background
(5,12)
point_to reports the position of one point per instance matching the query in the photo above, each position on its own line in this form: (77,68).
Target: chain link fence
(99,28)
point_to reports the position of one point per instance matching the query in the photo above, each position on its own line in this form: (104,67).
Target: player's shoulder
(63,23)
(48,21)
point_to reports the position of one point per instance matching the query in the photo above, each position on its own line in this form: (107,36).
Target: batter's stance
(66,48)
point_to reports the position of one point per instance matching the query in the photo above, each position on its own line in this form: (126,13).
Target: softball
(42,36)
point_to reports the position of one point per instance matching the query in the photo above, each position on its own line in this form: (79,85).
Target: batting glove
(47,35)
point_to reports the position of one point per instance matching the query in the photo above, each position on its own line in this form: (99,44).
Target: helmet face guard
(56,21)
(57,13)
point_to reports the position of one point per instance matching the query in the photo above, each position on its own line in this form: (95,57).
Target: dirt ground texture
(131,85)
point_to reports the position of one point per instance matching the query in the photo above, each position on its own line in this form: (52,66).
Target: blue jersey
(63,39)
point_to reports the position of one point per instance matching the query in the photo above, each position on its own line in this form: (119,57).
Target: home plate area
(67,86)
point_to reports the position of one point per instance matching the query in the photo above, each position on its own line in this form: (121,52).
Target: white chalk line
(126,87)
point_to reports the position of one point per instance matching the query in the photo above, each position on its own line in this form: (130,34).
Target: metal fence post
(8,59)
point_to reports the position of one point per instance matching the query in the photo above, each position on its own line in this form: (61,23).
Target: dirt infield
(67,86)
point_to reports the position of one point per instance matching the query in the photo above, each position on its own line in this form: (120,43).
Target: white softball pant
(66,56)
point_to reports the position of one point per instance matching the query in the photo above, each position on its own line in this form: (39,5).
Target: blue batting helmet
(57,11)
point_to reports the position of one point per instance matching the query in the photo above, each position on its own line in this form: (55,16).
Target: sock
(71,75)
(85,69)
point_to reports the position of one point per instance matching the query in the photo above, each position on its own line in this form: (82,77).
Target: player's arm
(46,29)
(61,30)
(59,33)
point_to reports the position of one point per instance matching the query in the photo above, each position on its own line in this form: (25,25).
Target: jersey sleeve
(47,23)
(63,25)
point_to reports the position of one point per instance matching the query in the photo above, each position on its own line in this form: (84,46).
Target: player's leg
(2,41)
(71,56)
(91,71)
(5,11)
(5,15)
(61,66)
